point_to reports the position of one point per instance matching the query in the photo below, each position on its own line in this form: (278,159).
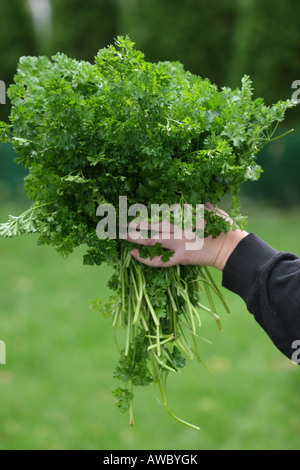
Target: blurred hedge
(221,40)
(266,46)
(80,28)
(279,183)
(16,39)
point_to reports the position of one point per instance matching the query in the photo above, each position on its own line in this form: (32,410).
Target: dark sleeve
(269,282)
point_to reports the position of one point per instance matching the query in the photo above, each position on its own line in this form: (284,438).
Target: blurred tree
(279,183)
(197,33)
(266,46)
(16,39)
(80,29)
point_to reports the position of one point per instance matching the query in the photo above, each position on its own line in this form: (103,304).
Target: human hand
(214,252)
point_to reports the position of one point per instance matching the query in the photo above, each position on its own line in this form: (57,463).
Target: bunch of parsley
(88,133)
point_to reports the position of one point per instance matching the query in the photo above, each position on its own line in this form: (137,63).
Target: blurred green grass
(56,384)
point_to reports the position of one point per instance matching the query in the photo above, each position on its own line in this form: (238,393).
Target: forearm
(268,281)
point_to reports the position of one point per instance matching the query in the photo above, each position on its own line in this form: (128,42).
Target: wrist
(228,243)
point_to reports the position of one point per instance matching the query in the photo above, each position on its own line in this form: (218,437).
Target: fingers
(155,262)
(209,206)
(218,211)
(161,227)
(135,237)
(165,238)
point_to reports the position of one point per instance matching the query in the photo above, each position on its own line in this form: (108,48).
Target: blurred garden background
(55,387)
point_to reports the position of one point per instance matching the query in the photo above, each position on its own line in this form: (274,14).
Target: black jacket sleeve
(269,282)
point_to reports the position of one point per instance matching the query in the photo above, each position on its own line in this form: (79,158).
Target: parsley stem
(196,349)
(163,392)
(190,425)
(214,287)
(170,338)
(275,138)
(141,292)
(170,359)
(162,364)
(184,349)
(158,341)
(281,135)
(155,319)
(116,316)
(131,417)
(128,327)
(146,327)
(196,315)
(172,300)
(213,314)
(134,283)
